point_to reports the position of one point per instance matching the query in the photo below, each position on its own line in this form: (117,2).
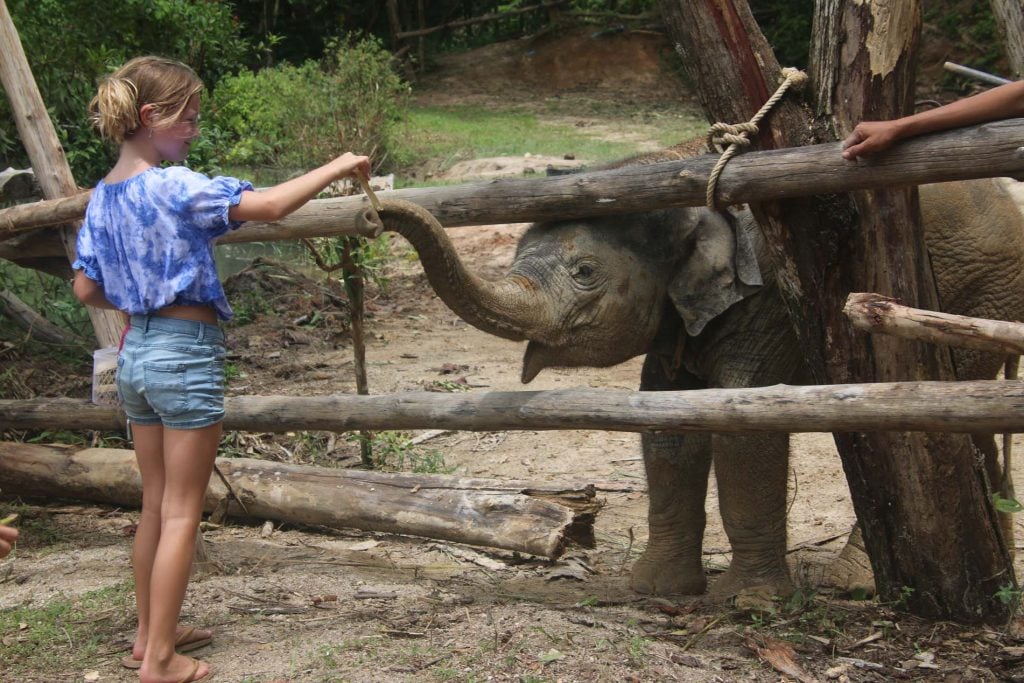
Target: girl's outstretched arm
(280,200)
(1006,101)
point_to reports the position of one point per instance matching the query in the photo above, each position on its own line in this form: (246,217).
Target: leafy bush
(302,116)
(71,43)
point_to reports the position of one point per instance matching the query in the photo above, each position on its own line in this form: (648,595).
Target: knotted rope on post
(727,139)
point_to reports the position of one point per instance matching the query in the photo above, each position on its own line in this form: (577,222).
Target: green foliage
(71,43)
(395,452)
(302,116)
(787,26)
(68,634)
(47,295)
(971,27)
(1007,505)
(1009,594)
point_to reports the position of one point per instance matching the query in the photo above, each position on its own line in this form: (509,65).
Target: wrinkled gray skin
(683,286)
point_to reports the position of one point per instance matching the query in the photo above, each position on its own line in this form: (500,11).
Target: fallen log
(36,326)
(538,519)
(994,406)
(988,150)
(877,313)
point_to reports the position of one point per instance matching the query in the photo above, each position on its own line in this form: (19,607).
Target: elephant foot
(851,571)
(773,580)
(660,574)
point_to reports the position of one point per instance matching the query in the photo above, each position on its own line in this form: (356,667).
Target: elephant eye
(584,273)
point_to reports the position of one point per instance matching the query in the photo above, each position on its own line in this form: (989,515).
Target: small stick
(369,192)
(9,519)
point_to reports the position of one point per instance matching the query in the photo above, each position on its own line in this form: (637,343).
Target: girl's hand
(349,164)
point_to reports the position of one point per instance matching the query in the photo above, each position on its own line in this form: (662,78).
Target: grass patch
(64,636)
(452,134)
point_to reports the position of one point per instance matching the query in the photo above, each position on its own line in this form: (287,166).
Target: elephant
(693,291)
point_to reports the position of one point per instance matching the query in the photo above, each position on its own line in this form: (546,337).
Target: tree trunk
(44,150)
(538,519)
(950,556)
(1009,16)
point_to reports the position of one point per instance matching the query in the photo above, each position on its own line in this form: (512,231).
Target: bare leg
(188,462)
(149,449)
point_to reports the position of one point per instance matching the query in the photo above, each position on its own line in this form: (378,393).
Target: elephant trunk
(501,308)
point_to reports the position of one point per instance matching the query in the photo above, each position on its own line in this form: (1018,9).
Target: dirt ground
(301,604)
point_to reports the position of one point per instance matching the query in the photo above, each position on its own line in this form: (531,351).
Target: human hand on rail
(870,137)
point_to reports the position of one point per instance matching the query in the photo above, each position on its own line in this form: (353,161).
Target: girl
(146,249)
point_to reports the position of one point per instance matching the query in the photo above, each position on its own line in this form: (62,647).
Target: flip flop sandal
(192,674)
(181,644)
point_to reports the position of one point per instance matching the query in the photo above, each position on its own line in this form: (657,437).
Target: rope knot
(721,135)
(727,139)
(796,77)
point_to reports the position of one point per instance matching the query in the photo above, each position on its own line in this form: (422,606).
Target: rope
(728,138)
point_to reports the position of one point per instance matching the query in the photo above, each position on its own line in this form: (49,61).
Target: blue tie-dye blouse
(148,240)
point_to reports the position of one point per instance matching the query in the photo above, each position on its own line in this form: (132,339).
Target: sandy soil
(302,604)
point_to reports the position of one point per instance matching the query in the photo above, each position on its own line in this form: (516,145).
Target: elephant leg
(677,479)
(851,571)
(751,471)
(677,468)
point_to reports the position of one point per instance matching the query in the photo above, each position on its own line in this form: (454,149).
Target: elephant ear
(719,269)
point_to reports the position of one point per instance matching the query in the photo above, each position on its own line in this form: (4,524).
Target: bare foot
(180,670)
(187,638)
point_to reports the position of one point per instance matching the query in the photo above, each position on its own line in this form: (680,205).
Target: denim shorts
(171,372)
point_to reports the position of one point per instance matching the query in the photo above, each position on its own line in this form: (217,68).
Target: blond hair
(164,83)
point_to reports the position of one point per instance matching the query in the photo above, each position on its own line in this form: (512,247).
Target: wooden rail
(981,406)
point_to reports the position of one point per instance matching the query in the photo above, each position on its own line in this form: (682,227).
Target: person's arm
(277,202)
(1006,101)
(90,292)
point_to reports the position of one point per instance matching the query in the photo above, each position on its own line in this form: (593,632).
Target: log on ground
(532,518)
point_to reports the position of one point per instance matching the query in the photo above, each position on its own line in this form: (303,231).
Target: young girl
(146,249)
(1003,102)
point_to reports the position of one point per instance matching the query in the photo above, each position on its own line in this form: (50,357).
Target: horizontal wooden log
(538,519)
(988,150)
(877,313)
(996,406)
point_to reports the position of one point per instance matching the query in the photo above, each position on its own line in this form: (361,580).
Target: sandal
(184,642)
(191,676)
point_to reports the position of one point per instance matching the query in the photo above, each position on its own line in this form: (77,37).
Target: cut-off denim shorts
(171,372)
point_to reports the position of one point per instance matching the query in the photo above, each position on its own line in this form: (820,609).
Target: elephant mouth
(537,357)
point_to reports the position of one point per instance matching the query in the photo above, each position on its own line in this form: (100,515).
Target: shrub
(70,43)
(302,116)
